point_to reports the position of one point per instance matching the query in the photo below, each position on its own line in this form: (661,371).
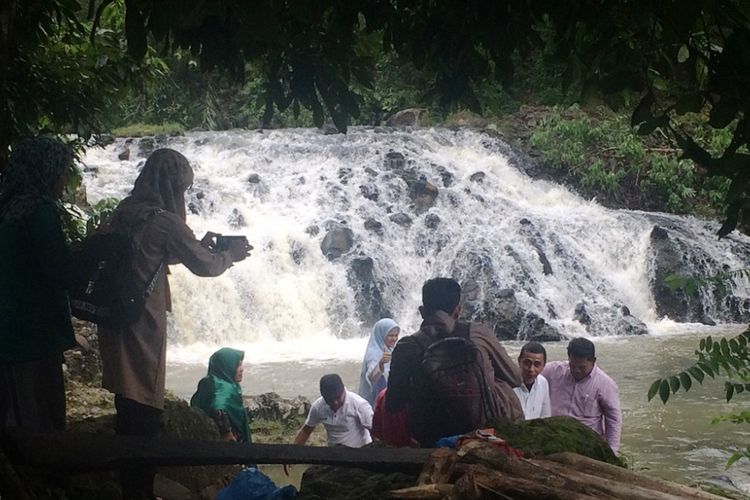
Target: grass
(145,129)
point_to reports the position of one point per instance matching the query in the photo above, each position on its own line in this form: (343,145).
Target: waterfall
(416,204)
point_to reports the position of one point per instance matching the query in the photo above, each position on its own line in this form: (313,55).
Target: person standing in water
(373,376)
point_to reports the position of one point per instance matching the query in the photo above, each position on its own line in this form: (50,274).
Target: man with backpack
(453,376)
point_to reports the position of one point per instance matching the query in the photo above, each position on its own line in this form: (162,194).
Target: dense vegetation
(225,64)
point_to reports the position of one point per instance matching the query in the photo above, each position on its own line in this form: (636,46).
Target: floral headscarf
(34,169)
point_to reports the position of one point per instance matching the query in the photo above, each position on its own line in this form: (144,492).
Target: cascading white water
(277,187)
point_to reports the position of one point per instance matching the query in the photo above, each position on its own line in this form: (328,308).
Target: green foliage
(691,284)
(61,79)
(79,224)
(728,358)
(626,170)
(144,129)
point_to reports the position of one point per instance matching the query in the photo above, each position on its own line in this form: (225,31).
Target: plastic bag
(252,484)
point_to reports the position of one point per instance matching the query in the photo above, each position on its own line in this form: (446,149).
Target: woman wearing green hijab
(219,395)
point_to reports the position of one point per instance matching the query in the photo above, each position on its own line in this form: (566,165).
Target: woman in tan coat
(133,358)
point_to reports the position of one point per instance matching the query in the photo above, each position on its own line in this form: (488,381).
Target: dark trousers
(32,394)
(136,419)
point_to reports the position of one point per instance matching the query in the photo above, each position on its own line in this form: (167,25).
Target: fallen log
(439,467)
(556,475)
(602,469)
(84,452)
(423,492)
(614,488)
(480,482)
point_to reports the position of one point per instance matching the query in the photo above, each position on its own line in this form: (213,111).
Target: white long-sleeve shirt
(535,402)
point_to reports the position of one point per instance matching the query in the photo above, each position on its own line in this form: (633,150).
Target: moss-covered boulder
(323,482)
(545,436)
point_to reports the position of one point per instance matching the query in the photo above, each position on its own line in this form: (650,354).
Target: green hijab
(218,390)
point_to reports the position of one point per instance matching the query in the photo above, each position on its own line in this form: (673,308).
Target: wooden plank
(81,452)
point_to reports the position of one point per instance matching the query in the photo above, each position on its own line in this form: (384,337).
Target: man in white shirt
(346,416)
(534,392)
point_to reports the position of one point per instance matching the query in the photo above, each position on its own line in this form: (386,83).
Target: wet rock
(394,160)
(337,242)
(537,242)
(236,220)
(201,142)
(297,252)
(508,315)
(105,140)
(369,191)
(124,155)
(369,171)
(368,290)
(91,170)
(345,173)
(478,177)
(401,219)
(374,226)
(410,117)
(423,195)
(630,325)
(445,176)
(581,315)
(146,146)
(312,230)
(670,258)
(329,129)
(270,406)
(253,179)
(535,328)
(432,221)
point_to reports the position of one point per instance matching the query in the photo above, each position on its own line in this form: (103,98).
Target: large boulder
(410,117)
(670,259)
(545,436)
(508,315)
(325,482)
(368,290)
(423,195)
(271,406)
(338,240)
(533,327)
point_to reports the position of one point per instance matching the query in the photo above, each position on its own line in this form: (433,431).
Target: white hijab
(375,349)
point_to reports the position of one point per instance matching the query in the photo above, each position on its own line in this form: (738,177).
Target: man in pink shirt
(579,389)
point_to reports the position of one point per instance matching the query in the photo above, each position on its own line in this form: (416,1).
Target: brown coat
(134,358)
(497,366)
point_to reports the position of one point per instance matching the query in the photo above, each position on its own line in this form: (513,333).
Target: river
(676,441)
(299,314)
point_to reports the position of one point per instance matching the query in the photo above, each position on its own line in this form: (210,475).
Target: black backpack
(103,288)
(454,395)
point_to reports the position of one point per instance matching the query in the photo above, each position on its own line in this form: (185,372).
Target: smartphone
(222,242)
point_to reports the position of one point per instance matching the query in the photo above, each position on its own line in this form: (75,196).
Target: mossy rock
(324,482)
(545,436)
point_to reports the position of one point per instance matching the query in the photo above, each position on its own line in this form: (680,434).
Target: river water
(299,315)
(676,441)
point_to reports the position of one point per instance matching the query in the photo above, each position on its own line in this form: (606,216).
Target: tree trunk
(480,483)
(602,469)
